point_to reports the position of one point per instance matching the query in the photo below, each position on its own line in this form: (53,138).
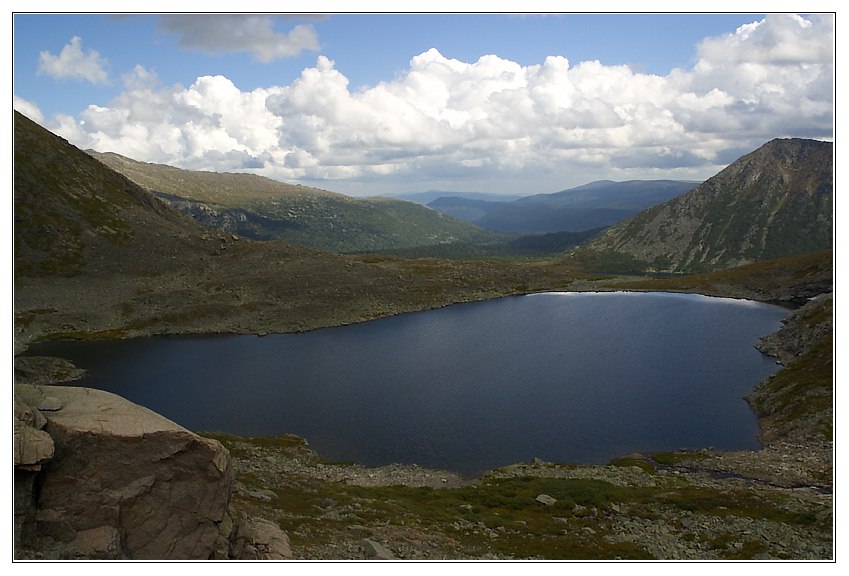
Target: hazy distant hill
(593,205)
(775,202)
(264,209)
(431,195)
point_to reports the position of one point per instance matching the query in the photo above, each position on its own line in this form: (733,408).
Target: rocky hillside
(263,209)
(73,217)
(775,202)
(97,256)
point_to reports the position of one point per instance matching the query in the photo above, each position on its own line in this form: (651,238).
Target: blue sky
(378,103)
(366,48)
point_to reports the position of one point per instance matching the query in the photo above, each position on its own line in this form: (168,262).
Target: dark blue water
(577,377)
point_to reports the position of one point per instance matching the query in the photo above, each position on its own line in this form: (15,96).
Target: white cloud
(28,109)
(205,126)
(255,34)
(778,39)
(73,63)
(445,120)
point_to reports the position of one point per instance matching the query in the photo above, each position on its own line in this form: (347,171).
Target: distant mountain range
(450,225)
(594,205)
(774,202)
(431,195)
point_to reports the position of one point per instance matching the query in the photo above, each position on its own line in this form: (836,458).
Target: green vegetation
(344,224)
(607,261)
(502,516)
(673,458)
(774,280)
(639,462)
(802,394)
(522,248)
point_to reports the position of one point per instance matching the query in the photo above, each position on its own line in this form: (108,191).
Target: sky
(376,103)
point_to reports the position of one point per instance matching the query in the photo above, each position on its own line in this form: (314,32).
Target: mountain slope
(72,216)
(264,209)
(594,205)
(96,256)
(774,202)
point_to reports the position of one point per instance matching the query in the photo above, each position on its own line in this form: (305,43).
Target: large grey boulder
(123,481)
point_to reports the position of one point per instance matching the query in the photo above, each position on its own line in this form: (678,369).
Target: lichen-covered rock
(119,468)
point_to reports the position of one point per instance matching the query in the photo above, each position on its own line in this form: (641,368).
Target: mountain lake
(564,377)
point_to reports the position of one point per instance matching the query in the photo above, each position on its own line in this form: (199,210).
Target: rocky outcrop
(100,477)
(801,330)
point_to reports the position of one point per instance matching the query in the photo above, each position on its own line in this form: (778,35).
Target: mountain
(98,256)
(594,205)
(264,209)
(774,202)
(73,216)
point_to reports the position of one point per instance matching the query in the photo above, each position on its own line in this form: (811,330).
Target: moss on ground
(503,517)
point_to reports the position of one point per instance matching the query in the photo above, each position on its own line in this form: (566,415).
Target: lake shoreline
(518,377)
(791,461)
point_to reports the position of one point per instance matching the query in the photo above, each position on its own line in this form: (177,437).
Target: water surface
(566,377)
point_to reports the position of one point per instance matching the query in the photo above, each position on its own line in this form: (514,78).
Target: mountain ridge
(263,209)
(593,205)
(774,202)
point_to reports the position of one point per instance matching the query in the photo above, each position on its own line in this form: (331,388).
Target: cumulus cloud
(255,34)
(778,39)
(73,63)
(210,125)
(28,109)
(443,119)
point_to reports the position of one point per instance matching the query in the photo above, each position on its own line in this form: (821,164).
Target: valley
(98,256)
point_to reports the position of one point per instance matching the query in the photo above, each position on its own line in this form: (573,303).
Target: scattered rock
(546,500)
(264,495)
(261,539)
(375,550)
